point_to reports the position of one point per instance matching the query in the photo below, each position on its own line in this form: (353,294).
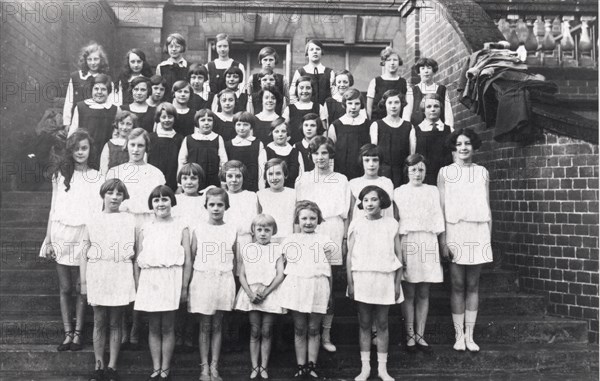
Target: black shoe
(74,347)
(423,348)
(98,375)
(155,376)
(311,371)
(65,346)
(300,372)
(112,375)
(411,348)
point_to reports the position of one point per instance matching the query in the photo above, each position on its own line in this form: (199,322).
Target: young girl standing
(115,150)
(223,123)
(197,77)
(245,148)
(216,69)
(74,198)
(421,227)
(370,156)
(277,200)
(426,68)
(102,266)
(468,232)
(270,100)
(311,127)
(281,149)
(343,81)
(392,135)
(175,67)
(260,275)
(204,147)
(157,94)
(96,115)
(135,66)
(92,61)
(140,90)
(321,77)
(184,122)
(349,133)
(212,289)
(166,144)
(268,59)
(163,269)
(294,113)
(329,190)
(389,80)
(373,270)
(308,269)
(429,138)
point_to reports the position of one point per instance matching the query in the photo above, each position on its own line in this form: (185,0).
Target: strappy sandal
(153,376)
(255,372)
(300,372)
(423,348)
(411,348)
(311,371)
(74,347)
(263,373)
(165,372)
(66,346)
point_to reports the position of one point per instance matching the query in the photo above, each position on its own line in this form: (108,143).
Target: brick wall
(544,196)
(40,46)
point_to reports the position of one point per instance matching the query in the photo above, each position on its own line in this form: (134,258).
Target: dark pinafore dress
(184,123)
(216,77)
(349,139)
(395,146)
(98,123)
(224,128)
(381,86)
(296,121)
(431,144)
(417,115)
(321,84)
(145,119)
(116,155)
(291,160)
(335,110)
(249,156)
(172,73)
(306,158)
(206,154)
(262,131)
(164,155)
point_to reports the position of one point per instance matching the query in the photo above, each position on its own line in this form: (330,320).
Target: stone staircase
(518,338)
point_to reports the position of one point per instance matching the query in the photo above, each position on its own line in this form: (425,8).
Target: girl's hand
(251,296)
(397,290)
(351,290)
(446,253)
(184,294)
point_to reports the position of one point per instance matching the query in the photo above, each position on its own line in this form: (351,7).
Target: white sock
(459,331)
(470,319)
(382,367)
(365,371)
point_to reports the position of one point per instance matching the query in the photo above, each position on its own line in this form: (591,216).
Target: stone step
(48,329)
(495,360)
(25,200)
(22,255)
(12,234)
(24,217)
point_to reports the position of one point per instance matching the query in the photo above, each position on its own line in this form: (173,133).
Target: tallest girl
(322,77)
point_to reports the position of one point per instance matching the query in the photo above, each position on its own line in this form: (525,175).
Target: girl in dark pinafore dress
(245,148)
(390,79)
(175,68)
(322,77)
(223,123)
(140,91)
(184,122)
(349,133)
(392,135)
(115,152)
(165,143)
(279,148)
(270,99)
(216,69)
(294,113)
(311,127)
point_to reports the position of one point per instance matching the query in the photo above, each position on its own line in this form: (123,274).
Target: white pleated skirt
(423,262)
(110,283)
(211,292)
(307,295)
(470,242)
(159,289)
(374,287)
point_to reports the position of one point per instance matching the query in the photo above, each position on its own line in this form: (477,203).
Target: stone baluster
(539,29)
(586,45)
(549,56)
(513,39)
(531,42)
(567,43)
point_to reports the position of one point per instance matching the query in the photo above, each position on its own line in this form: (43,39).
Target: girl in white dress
(373,270)
(163,269)
(307,286)
(330,191)
(421,227)
(260,275)
(212,289)
(74,197)
(107,273)
(464,191)
(371,157)
(277,200)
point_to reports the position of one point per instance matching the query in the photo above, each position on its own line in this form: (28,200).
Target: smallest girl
(184,122)
(135,66)
(390,79)
(374,274)
(311,127)
(157,94)
(115,151)
(261,273)
(321,76)
(162,273)
(307,286)
(280,148)
(175,67)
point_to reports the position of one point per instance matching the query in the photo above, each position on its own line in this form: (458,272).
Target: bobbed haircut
(424,61)
(274,162)
(232,164)
(273,90)
(390,94)
(303,78)
(166,107)
(352,94)
(202,113)
(181,85)
(268,51)
(227,91)
(347,74)
(217,192)
(158,80)
(161,191)
(192,169)
(313,41)
(141,79)
(369,150)
(246,117)
(235,70)
(384,198)
(427,97)
(136,133)
(413,159)
(103,79)
(469,133)
(387,53)
(307,205)
(264,220)
(114,184)
(197,69)
(278,122)
(313,116)
(121,115)
(178,38)
(316,142)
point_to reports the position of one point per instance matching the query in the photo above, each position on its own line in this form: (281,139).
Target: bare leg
(314,337)
(383,337)
(300,330)
(204,343)
(408,310)
(422,310)
(472,305)
(168,340)
(79,309)
(66,289)
(217,335)
(255,331)
(155,340)
(99,339)
(365,323)
(266,333)
(457,304)
(116,314)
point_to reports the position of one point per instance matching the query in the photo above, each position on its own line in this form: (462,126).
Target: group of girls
(272,190)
